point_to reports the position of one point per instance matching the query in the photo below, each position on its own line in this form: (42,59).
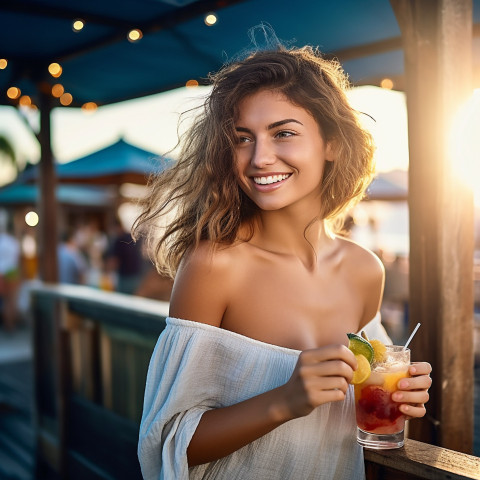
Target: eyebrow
(272,125)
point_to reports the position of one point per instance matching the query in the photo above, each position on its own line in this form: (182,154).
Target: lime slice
(379,350)
(359,346)
(363,370)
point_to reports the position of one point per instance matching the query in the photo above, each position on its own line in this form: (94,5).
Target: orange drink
(379,420)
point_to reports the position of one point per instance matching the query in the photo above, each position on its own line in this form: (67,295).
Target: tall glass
(379,420)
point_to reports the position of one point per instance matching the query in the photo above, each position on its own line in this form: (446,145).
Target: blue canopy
(118,163)
(100,65)
(79,195)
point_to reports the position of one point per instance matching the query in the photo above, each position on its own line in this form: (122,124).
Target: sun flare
(465,144)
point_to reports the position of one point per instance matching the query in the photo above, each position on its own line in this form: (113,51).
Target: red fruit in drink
(376,409)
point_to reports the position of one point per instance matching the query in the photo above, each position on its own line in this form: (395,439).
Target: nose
(263,154)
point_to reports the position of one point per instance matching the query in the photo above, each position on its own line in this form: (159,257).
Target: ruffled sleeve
(195,368)
(173,404)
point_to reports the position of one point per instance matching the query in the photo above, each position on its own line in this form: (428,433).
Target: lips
(270,179)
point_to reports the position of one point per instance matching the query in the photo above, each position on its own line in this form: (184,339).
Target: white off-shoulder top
(197,367)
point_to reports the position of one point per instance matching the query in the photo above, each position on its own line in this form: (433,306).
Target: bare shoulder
(362,260)
(203,283)
(368,272)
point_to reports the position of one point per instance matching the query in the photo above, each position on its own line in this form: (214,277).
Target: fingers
(413,411)
(318,383)
(412,392)
(420,368)
(330,352)
(422,382)
(415,397)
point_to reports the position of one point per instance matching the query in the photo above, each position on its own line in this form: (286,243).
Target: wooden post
(437,38)
(48,209)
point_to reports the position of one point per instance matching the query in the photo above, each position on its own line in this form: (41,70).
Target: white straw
(411,336)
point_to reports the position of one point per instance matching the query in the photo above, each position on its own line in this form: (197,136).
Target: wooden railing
(92,350)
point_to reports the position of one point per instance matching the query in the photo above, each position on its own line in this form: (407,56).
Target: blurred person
(9,273)
(125,260)
(72,264)
(251,378)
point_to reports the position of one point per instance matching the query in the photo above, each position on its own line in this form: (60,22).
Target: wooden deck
(17,439)
(16,421)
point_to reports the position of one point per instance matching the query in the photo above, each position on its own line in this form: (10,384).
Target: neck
(287,234)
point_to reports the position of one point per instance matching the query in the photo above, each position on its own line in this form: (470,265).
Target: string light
(210,19)
(191,84)
(134,35)
(66,99)
(58,90)
(13,93)
(78,25)
(3,63)
(89,107)
(55,70)
(387,83)
(25,101)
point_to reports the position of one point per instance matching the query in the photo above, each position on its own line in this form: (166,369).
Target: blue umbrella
(118,163)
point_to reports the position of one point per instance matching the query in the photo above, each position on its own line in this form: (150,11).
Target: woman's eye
(243,139)
(285,134)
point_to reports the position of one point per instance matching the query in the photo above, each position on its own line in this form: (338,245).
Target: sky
(151,123)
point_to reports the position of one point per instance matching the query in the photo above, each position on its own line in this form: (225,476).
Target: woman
(251,377)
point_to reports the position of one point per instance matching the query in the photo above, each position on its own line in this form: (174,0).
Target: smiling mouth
(270,179)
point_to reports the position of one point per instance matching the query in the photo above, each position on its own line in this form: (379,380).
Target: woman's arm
(320,376)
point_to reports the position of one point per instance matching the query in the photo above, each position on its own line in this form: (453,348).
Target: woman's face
(280,152)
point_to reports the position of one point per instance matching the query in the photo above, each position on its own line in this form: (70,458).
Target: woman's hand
(321,375)
(413,391)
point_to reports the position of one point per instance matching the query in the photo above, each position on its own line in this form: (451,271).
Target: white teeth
(270,179)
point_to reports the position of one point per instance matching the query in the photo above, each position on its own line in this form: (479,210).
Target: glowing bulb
(89,107)
(3,63)
(31,219)
(58,90)
(25,101)
(386,83)
(210,19)
(78,25)
(66,99)
(191,83)
(134,35)
(55,70)
(13,93)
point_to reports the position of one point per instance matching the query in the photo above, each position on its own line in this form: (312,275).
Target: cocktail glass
(380,422)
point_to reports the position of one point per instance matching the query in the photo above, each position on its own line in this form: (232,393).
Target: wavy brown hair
(199,195)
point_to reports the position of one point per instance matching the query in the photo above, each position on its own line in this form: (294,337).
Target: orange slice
(379,350)
(363,370)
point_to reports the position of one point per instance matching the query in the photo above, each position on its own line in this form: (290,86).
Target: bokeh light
(387,83)
(13,93)
(31,219)
(191,83)
(3,63)
(210,19)
(55,70)
(66,99)
(134,35)
(89,107)
(25,101)
(57,90)
(78,25)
